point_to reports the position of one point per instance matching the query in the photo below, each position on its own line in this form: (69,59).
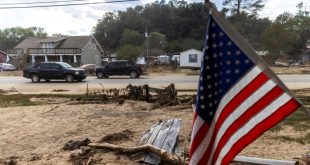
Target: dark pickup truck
(118,68)
(54,70)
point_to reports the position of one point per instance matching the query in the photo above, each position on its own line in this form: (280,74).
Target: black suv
(54,70)
(120,67)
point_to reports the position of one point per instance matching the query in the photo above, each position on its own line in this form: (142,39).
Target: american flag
(238,97)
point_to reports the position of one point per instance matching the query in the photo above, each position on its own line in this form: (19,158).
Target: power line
(38,2)
(69,4)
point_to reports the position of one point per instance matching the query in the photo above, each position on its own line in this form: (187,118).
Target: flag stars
(210,95)
(227,71)
(214,55)
(215,65)
(211,113)
(237,62)
(228,62)
(209,86)
(221,44)
(221,54)
(207,58)
(229,43)
(228,53)
(201,88)
(208,77)
(213,35)
(213,24)
(238,52)
(207,67)
(214,46)
(210,104)
(202,106)
(221,34)
(202,97)
(227,80)
(246,61)
(237,71)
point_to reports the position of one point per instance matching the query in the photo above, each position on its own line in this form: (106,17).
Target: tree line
(168,27)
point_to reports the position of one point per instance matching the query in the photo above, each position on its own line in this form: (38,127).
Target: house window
(192,58)
(47,47)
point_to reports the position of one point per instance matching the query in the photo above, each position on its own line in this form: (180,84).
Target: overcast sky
(79,20)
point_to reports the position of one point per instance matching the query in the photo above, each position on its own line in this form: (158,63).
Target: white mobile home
(190,58)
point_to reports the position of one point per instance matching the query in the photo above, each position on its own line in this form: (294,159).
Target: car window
(44,65)
(65,65)
(54,66)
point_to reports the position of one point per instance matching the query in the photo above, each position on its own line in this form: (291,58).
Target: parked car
(120,67)
(54,71)
(7,67)
(89,68)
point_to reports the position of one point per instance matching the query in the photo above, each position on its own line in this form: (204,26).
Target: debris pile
(160,97)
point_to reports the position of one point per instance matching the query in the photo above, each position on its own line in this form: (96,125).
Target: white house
(190,58)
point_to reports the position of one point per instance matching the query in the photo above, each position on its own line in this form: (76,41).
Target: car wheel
(69,78)
(35,78)
(133,74)
(100,75)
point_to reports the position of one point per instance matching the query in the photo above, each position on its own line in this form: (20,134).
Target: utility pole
(146,41)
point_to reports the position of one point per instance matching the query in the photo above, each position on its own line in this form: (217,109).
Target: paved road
(181,82)
(25,85)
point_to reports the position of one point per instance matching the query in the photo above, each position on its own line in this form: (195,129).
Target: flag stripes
(282,112)
(271,115)
(263,102)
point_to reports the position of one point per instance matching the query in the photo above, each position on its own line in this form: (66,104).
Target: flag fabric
(238,97)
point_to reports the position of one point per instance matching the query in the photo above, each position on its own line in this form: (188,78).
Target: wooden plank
(253,160)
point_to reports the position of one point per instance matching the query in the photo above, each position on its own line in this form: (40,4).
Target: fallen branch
(165,156)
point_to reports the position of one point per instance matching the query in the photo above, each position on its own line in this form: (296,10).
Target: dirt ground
(37,134)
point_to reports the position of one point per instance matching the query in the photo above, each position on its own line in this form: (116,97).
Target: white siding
(185,58)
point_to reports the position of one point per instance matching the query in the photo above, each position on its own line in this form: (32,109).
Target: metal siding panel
(164,136)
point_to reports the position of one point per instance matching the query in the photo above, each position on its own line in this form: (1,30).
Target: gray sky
(79,20)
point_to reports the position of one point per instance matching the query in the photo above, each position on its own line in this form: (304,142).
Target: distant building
(75,50)
(190,58)
(3,57)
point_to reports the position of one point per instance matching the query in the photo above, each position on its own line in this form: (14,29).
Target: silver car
(7,67)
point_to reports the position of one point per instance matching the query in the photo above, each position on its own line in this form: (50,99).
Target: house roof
(51,39)
(68,42)
(30,42)
(2,52)
(75,42)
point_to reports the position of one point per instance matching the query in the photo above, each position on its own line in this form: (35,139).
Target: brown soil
(37,134)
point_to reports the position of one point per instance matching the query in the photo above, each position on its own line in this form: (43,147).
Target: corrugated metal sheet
(163,135)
